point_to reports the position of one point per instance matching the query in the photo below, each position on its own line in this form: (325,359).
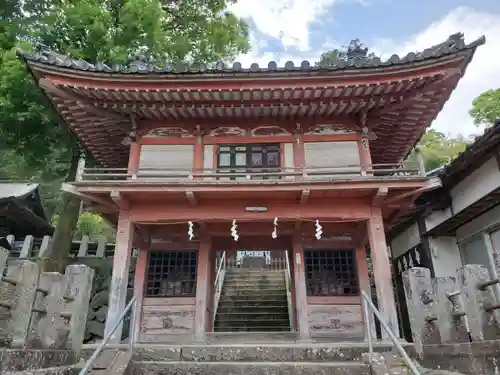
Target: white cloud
(287,20)
(482,74)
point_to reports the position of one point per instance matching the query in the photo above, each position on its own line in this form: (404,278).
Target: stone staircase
(253,300)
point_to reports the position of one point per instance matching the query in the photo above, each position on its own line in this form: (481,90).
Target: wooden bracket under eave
(119,200)
(90,198)
(191,198)
(379,196)
(431,184)
(304,197)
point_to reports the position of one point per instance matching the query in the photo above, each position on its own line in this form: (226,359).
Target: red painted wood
(382,271)
(300,288)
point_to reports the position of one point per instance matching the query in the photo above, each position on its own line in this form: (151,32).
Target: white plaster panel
(436,218)
(338,155)
(481,182)
(405,241)
(487,220)
(445,255)
(173,157)
(289,160)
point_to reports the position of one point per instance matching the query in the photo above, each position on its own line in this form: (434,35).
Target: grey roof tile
(139,65)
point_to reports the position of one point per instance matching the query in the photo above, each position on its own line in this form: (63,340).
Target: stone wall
(98,306)
(455,320)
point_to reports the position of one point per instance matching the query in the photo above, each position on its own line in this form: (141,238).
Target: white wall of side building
(479,183)
(404,241)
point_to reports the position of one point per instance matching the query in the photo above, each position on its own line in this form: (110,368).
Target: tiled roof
(455,43)
(474,153)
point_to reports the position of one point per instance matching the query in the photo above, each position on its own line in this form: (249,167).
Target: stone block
(420,300)
(483,324)
(18,291)
(48,328)
(77,295)
(449,309)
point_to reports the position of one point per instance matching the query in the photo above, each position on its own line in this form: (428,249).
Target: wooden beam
(380,195)
(118,198)
(191,198)
(81,101)
(89,197)
(304,196)
(431,184)
(163,212)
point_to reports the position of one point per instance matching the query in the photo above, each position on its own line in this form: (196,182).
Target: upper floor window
(244,158)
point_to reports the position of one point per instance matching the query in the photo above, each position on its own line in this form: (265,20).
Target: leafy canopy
(165,31)
(437,149)
(486,108)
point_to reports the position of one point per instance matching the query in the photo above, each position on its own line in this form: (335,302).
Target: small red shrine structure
(201,148)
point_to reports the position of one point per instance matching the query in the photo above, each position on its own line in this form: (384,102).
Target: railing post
(80,169)
(420,161)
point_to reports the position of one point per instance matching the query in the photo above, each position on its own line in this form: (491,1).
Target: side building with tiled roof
(457,224)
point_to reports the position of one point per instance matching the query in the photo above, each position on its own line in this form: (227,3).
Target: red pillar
(299,158)
(202,288)
(365,156)
(119,278)
(300,287)
(382,271)
(134,157)
(198,156)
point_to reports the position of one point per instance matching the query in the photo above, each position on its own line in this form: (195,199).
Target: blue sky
(295,30)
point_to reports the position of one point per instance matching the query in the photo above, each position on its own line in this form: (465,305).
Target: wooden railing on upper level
(249,174)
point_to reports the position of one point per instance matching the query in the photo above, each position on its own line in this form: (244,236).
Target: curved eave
(415,90)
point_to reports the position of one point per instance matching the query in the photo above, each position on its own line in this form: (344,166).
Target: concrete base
(468,358)
(12,360)
(249,368)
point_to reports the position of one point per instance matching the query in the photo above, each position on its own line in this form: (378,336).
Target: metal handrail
(288,285)
(367,303)
(90,362)
(219,279)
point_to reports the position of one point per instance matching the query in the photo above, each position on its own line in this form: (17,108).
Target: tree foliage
(486,108)
(355,48)
(94,30)
(437,149)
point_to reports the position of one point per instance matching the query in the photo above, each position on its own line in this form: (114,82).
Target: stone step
(255,292)
(251,347)
(253,310)
(248,302)
(252,317)
(271,329)
(249,368)
(252,285)
(251,323)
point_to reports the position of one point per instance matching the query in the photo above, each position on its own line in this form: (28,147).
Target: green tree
(96,30)
(355,48)
(486,108)
(437,149)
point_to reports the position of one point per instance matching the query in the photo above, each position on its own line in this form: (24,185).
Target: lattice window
(171,274)
(331,273)
(249,157)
